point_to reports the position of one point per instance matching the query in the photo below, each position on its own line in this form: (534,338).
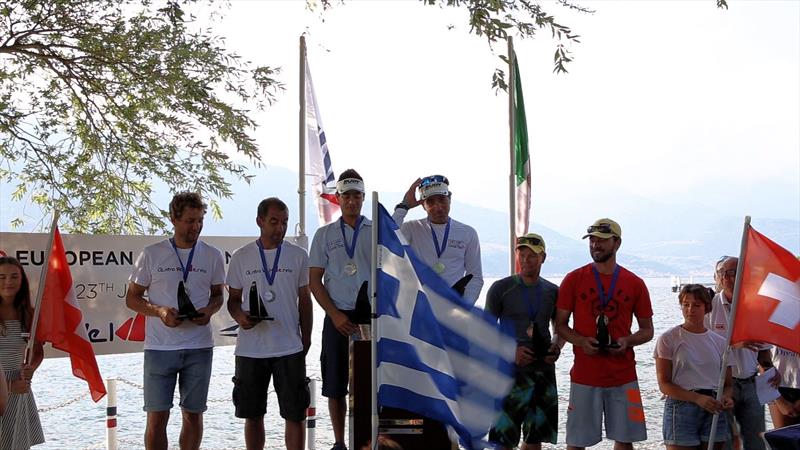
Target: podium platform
(408,429)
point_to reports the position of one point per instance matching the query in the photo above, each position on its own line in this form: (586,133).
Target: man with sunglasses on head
(604,297)
(183,277)
(747,410)
(527,303)
(339,264)
(449,247)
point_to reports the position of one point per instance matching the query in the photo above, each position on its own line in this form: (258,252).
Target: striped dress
(19,426)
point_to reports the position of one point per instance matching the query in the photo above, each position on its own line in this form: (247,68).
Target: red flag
(768,308)
(61,320)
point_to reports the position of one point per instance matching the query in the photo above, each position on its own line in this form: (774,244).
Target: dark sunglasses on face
(528,241)
(602,228)
(435,179)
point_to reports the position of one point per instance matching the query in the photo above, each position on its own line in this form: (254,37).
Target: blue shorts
(687,425)
(192,370)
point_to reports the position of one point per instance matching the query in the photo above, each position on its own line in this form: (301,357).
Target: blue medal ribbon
(605,297)
(536,304)
(185,269)
(351,248)
(269,274)
(440,250)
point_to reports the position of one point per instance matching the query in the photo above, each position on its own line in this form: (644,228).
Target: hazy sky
(673,101)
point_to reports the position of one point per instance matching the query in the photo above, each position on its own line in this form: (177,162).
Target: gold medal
(439,267)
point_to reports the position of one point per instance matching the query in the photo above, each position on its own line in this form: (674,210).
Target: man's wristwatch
(401,205)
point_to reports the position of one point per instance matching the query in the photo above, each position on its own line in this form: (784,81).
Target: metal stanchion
(111,414)
(311,416)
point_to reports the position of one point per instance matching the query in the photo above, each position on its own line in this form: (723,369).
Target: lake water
(81,424)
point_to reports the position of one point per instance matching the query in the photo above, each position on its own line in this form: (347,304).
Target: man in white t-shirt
(270,300)
(183,279)
(449,247)
(748,411)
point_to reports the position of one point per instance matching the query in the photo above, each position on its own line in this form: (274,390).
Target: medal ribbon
(351,248)
(185,269)
(269,274)
(605,297)
(535,305)
(440,251)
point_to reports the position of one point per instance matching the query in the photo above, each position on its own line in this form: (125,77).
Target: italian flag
(521,157)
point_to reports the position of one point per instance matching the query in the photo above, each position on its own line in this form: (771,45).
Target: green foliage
(100,99)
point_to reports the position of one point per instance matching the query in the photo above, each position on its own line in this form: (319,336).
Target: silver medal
(269,296)
(350,269)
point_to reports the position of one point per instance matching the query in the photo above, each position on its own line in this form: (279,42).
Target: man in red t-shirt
(604,297)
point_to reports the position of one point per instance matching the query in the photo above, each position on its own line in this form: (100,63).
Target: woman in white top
(785,410)
(688,359)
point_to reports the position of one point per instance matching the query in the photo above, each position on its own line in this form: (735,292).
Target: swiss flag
(60,319)
(768,307)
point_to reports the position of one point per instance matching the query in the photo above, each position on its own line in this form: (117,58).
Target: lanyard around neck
(185,269)
(269,274)
(440,250)
(605,297)
(351,248)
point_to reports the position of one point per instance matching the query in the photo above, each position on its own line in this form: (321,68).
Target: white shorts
(619,406)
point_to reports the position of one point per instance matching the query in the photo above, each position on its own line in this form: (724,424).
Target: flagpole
(373,279)
(301,185)
(40,291)
(735,303)
(512,163)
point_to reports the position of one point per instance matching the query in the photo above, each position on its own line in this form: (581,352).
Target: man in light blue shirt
(339,263)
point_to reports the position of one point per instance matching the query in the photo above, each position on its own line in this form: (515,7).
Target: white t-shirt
(696,357)
(788,364)
(461,256)
(281,336)
(328,252)
(159,270)
(745,361)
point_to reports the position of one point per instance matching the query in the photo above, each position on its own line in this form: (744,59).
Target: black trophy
(363,312)
(539,344)
(604,341)
(257,311)
(186,309)
(462,284)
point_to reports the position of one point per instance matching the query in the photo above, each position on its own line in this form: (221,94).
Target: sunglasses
(435,179)
(529,241)
(730,273)
(602,228)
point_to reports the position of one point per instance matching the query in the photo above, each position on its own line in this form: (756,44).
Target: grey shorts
(620,407)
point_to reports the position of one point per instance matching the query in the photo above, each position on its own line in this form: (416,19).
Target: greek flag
(436,354)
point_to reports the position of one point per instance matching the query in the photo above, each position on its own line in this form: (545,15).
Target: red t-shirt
(578,294)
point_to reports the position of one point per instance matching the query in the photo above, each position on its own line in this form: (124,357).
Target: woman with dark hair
(688,359)
(20,427)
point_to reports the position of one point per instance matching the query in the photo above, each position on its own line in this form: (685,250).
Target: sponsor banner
(100,267)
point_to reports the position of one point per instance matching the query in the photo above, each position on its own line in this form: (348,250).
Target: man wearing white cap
(604,297)
(448,246)
(526,302)
(339,263)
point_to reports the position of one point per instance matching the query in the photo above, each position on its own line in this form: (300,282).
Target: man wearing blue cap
(449,247)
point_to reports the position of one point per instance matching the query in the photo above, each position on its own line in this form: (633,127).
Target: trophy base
(259,318)
(192,315)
